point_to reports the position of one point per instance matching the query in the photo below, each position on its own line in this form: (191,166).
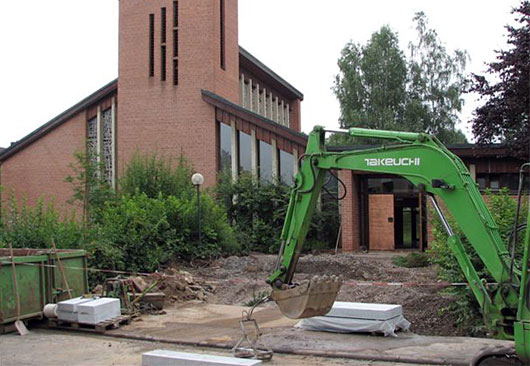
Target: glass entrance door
(406,222)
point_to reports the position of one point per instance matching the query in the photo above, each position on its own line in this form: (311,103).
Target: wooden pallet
(101,327)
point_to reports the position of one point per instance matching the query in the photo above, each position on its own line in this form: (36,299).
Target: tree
(377,87)
(504,116)
(436,82)
(371,85)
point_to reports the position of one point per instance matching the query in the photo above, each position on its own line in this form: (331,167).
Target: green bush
(412,260)
(257,212)
(27,226)
(151,232)
(142,228)
(154,175)
(466,308)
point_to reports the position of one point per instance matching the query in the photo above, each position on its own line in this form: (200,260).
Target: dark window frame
(175,43)
(151,45)
(222,35)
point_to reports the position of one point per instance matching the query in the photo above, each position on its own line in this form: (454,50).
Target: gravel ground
(237,280)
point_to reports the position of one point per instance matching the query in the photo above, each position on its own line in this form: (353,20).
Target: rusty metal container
(40,281)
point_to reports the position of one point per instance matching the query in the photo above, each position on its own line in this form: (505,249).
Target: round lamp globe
(197,179)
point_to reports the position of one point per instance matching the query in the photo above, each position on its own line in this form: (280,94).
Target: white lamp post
(197,179)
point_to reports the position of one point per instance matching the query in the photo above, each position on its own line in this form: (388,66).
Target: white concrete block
(171,358)
(71,305)
(67,310)
(359,310)
(98,310)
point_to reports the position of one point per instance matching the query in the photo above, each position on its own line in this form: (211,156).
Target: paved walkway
(218,326)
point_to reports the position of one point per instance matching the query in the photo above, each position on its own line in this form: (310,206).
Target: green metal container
(39,280)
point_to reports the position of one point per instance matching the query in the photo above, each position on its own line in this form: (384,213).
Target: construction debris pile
(181,286)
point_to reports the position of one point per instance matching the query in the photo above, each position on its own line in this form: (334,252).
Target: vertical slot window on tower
(151,45)
(222,35)
(175,42)
(163,38)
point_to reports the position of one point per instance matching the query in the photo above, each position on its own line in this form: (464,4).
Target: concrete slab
(359,310)
(98,310)
(172,358)
(218,326)
(67,310)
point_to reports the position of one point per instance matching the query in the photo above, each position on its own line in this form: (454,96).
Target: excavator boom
(428,164)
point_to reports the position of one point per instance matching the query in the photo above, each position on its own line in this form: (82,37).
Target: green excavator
(433,169)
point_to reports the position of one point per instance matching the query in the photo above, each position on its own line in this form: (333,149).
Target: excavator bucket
(309,298)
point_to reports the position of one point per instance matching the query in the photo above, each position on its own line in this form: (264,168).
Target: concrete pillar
(242,90)
(275,162)
(254,154)
(250,105)
(281,114)
(235,157)
(295,160)
(287,115)
(473,171)
(264,111)
(255,102)
(275,110)
(270,107)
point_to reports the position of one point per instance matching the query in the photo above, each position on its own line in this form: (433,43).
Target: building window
(495,183)
(163,37)
(92,138)
(107,158)
(222,35)
(225,147)
(265,161)
(151,45)
(482,183)
(245,153)
(163,63)
(100,141)
(175,42)
(390,185)
(286,167)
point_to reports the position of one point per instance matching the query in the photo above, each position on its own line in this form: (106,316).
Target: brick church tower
(169,51)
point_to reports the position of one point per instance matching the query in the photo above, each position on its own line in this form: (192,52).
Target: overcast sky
(56,52)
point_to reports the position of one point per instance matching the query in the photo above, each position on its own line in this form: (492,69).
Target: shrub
(151,232)
(412,260)
(257,212)
(27,226)
(466,308)
(141,229)
(91,192)
(153,175)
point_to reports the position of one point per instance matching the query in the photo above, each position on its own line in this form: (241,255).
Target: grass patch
(412,260)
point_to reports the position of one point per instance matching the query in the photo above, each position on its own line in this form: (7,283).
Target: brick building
(184,85)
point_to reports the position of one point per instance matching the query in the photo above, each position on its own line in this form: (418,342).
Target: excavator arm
(428,164)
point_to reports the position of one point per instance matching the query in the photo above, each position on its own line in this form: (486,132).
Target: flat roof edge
(271,73)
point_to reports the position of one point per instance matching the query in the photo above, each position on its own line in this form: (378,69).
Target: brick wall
(155,115)
(350,212)
(39,169)
(380,208)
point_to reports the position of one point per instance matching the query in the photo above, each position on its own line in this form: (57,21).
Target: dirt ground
(237,280)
